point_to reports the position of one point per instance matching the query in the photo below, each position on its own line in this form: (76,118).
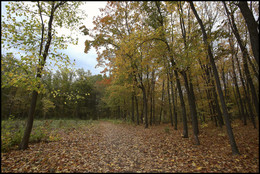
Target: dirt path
(108,147)
(121,148)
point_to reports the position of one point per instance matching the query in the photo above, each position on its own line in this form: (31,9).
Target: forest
(179,91)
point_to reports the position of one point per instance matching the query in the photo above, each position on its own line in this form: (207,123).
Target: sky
(82,60)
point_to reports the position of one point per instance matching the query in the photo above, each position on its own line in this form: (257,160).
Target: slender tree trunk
(137,111)
(245,56)
(145,108)
(133,108)
(173,103)
(184,118)
(245,100)
(192,109)
(250,108)
(240,106)
(169,99)
(142,112)
(202,115)
(162,104)
(215,71)
(151,98)
(217,107)
(214,106)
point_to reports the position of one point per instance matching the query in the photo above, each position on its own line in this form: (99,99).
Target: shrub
(11,133)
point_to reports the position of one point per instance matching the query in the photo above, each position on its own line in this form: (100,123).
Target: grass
(116,121)
(12,130)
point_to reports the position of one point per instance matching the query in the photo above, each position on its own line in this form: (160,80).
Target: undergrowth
(12,130)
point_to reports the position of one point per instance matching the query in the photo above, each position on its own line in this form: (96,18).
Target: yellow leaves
(11,74)
(204,125)
(193,164)
(199,168)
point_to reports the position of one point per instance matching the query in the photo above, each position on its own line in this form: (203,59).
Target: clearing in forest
(104,146)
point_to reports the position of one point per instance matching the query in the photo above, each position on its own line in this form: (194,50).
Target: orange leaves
(104,81)
(107,20)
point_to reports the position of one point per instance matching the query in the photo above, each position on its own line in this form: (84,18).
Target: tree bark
(252,28)
(193,112)
(162,104)
(169,99)
(133,108)
(173,104)
(137,111)
(184,118)
(145,108)
(215,71)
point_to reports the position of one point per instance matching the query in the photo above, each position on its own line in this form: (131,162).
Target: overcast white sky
(86,61)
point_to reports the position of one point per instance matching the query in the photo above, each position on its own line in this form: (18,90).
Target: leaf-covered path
(108,147)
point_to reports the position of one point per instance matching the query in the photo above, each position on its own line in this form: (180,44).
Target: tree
(224,108)
(252,27)
(39,39)
(245,56)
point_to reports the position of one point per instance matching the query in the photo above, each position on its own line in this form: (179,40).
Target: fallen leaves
(107,147)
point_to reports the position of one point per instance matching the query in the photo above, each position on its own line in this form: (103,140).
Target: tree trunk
(145,108)
(240,106)
(217,107)
(29,125)
(245,55)
(193,112)
(173,104)
(169,99)
(252,28)
(137,111)
(184,118)
(151,99)
(162,104)
(133,109)
(215,71)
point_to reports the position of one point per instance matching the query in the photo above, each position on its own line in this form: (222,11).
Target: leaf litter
(107,147)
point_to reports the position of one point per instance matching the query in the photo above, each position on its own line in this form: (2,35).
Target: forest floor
(104,146)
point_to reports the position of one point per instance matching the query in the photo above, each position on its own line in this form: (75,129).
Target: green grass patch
(114,121)
(43,130)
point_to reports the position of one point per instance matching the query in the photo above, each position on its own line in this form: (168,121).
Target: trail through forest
(108,147)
